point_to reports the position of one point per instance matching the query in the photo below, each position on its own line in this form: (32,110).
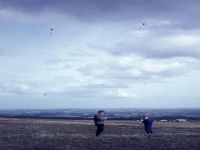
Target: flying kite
(143,24)
(51,31)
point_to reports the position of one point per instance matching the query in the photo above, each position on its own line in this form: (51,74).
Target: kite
(143,24)
(51,31)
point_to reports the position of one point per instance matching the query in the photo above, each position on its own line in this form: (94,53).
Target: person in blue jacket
(147,124)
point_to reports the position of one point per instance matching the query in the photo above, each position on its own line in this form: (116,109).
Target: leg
(98,131)
(102,128)
(146,129)
(150,130)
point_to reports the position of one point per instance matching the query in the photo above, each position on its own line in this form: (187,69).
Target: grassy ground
(80,134)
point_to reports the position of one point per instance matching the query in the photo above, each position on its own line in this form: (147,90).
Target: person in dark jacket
(99,122)
(147,124)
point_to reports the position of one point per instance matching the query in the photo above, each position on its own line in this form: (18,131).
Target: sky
(99,54)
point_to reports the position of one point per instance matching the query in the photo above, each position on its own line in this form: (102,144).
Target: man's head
(145,117)
(100,112)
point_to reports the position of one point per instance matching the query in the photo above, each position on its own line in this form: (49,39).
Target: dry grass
(79,134)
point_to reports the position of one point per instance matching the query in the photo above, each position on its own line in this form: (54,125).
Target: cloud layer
(99,49)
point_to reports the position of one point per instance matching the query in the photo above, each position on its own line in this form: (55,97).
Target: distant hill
(129,114)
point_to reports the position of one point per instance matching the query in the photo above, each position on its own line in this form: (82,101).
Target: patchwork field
(80,134)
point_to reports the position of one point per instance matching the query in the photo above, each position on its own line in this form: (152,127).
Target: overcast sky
(99,54)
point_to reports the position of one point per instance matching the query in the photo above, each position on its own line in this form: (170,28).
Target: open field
(80,134)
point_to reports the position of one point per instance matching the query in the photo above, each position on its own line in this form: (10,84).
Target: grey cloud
(104,85)
(175,25)
(8,89)
(115,75)
(3,52)
(156,46)
(8,52)
(79,92)
(110,10)
(92,93)
(21,86)
(154,52)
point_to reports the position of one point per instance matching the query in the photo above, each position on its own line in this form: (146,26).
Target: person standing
(99,122)
(147,124)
